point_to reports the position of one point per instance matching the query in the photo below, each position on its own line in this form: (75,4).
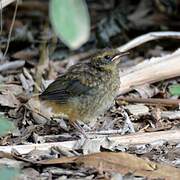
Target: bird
(86,90)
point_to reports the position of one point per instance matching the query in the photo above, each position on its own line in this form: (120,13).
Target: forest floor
(137,138)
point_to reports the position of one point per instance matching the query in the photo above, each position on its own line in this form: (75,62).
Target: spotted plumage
(87,89)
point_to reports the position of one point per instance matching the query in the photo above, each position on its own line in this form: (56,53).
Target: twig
(135,138)
(11,28)
(12,65)
(150,71)
(148,37)
(127,124)
(1,13)
(170,114)
(24,83)
(155,101)
(109,132)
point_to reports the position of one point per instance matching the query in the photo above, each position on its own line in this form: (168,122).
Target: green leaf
(71,22)
(8,173)
(5,125)
(175,89)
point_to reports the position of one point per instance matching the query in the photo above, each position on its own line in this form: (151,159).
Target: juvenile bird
(87,89)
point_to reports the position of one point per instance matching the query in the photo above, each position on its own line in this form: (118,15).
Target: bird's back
(83,92)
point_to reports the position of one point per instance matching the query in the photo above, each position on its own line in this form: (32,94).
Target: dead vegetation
(137,138)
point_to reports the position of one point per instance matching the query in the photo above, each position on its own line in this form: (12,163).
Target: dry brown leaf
(5,155)
(61,160)
(13,88)
(120,163)
(8,99)
(162,171)
(116,160)
(25,54)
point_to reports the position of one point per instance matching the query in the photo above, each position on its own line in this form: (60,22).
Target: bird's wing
(64,88)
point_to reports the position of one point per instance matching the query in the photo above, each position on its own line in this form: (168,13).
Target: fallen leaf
(25,54)
(175,89)
(116,160)
(5,125)
(71,25)
(13,88)
(8,99)
(9,173)
(119,163)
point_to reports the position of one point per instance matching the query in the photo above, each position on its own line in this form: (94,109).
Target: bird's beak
(118,55)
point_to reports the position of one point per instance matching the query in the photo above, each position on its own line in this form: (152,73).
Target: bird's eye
(107,57)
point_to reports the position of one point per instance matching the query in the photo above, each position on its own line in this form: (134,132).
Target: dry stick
(127,124)
(148,37)
(164,102)
(170,114)
(105,132)
(1,11)
(12,65)
(11,28)
(135,138)
(150,71)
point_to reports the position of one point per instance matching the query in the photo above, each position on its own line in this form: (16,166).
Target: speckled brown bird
(87,89)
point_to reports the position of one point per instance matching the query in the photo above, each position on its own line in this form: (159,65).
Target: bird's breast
(98,101)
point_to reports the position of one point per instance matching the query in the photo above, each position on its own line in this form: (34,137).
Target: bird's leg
(79,128)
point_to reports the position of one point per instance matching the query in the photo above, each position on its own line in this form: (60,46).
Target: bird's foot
(80,129)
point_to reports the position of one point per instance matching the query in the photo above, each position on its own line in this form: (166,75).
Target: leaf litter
(23,74)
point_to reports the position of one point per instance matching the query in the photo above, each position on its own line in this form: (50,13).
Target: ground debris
(137,138)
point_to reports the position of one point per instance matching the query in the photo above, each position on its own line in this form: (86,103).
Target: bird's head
(107,60)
